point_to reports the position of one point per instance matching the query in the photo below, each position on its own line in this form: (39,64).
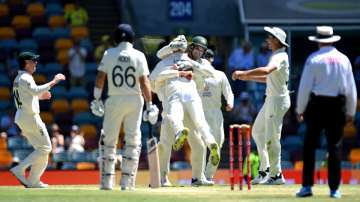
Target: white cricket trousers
(176,109)
(126,109)
(266,132)
(167,139)
(34,129)
(215,119)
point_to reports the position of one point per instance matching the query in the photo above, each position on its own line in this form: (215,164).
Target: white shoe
(165,182)
(202,182)
(38,185)
(20,175)
(275,180)
(260,178)
(126,183)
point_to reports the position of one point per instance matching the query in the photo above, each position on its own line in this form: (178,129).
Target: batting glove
(151,114)
(97,107)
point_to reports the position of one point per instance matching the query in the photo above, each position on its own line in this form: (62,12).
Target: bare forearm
(145,88)
(261,79)
(260,71)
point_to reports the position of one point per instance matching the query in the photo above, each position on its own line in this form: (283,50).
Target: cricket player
(268,123)
(177,91)
(126,71)
(210,90)
(26,96)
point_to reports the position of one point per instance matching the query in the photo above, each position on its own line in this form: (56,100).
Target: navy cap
(124,32)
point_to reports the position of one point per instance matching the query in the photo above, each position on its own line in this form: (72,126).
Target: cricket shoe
(201,182)
(20,175)
(262,177)
(38,185)
(214,154)
(180,139)
(335,194)
(275,180)
(304,192)
(165,182)
(126,183)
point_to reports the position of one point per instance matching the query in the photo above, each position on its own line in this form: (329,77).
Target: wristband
(97,93)
(148,104)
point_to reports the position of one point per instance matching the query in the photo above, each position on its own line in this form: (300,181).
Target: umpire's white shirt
(123,66)
(26,93)
(276,81)
(327,72)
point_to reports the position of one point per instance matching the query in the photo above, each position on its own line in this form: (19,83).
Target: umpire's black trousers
(324,113)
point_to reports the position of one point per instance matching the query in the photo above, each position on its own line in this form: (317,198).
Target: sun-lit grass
(91,193)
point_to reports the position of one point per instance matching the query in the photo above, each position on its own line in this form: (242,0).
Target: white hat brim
(331,39)
(271,31)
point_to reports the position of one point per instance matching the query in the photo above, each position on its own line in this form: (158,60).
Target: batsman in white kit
(127,73)
(172,81)
(267,127)
(26,96)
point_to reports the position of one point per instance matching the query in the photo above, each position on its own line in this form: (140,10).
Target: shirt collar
(23,72)
(279,50)
(125,45)
(327,48)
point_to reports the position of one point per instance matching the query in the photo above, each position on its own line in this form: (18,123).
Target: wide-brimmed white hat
(277,33)
(324,34)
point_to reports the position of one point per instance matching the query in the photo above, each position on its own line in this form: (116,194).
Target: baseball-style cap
(27,55)
(277,33)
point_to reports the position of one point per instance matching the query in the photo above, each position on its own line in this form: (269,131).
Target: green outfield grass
(91,193)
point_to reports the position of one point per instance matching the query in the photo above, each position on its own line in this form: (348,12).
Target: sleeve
(29,84)
(164,52)
(351,93)
(306,83)
(143,65)
(204,69)
(161,73)
(226,89)
(105,62)
(275,61)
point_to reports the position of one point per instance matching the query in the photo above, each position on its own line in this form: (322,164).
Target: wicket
(242,130)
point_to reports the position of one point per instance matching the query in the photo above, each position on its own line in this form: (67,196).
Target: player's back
(24,100)
(123,66)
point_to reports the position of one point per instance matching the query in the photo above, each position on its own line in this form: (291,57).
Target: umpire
(326,100)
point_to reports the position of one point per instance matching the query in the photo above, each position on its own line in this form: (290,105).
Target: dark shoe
(304,192)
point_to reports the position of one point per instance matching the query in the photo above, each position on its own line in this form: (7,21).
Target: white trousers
(34,129)
(127,110)
(167,139)
(215,119)
(266,132)
(176,108)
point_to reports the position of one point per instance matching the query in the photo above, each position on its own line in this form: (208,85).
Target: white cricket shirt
(123,66)
(276,81)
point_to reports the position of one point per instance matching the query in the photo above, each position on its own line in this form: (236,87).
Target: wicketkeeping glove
(151,114)
(97,107)
(179,43)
